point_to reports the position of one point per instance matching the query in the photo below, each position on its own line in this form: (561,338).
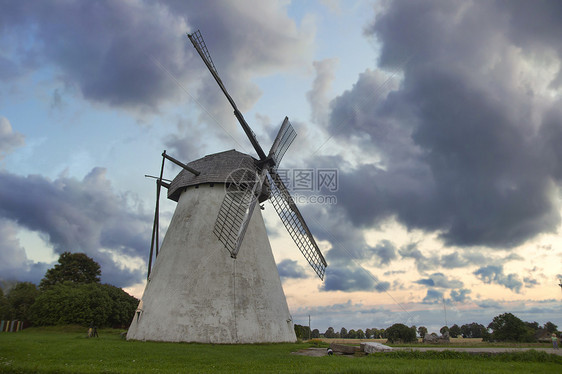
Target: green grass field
(68,350)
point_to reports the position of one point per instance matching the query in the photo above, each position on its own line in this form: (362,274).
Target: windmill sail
(197,40)
(284,138)
(237,208)
(294,223)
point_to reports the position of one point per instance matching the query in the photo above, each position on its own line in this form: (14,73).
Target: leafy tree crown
(72,267)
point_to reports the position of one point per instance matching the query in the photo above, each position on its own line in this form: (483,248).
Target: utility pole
(445,310)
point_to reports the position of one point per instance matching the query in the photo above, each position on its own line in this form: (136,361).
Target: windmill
(214,279)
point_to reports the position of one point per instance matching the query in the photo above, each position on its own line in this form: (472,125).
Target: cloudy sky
(442,118)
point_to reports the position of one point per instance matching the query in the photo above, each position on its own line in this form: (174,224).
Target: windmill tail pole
(156,224)
(181,164)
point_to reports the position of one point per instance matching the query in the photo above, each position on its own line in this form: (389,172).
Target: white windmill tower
(215,279)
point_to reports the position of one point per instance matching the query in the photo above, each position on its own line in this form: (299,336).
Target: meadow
(68,350)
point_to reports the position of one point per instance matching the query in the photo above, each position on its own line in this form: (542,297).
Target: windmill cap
(214,168)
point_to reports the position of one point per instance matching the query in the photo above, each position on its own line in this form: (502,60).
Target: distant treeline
(69,294)
(504,327)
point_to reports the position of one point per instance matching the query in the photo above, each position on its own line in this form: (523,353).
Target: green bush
(83,304)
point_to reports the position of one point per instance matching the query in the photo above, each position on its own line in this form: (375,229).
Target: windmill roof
(214,168)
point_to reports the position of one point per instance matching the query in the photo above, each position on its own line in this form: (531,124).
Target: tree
(550,327)
(454,331)
(72,267)
(360,334)
(302,332)
(343,333)
(315,334)
(20,299)
(330,333)
(422,330)
(507,327)
(400,333)
(444,330)
(473,330)
(5,308)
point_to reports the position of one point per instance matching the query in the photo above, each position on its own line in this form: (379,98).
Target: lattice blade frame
(294,223)
(197,39)
(283,140)
(237,207)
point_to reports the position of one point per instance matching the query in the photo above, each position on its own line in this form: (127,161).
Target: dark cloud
(351,278)
(454,260)
(14,264)
(348,242)
(382,286)
(385,252)
(469,142)
(433,297)
(349,250)
(291,269)
(411,251)
(460,296)
(440,280)
(86,44)
(468,258)
(423,263)
(530,282)
(426,282)
(131,54)
(80,216)
(494,274)
(9,139)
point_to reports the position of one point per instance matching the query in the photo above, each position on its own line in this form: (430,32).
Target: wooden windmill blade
(282,141)
(295,224)
(243,189)
(197,40)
